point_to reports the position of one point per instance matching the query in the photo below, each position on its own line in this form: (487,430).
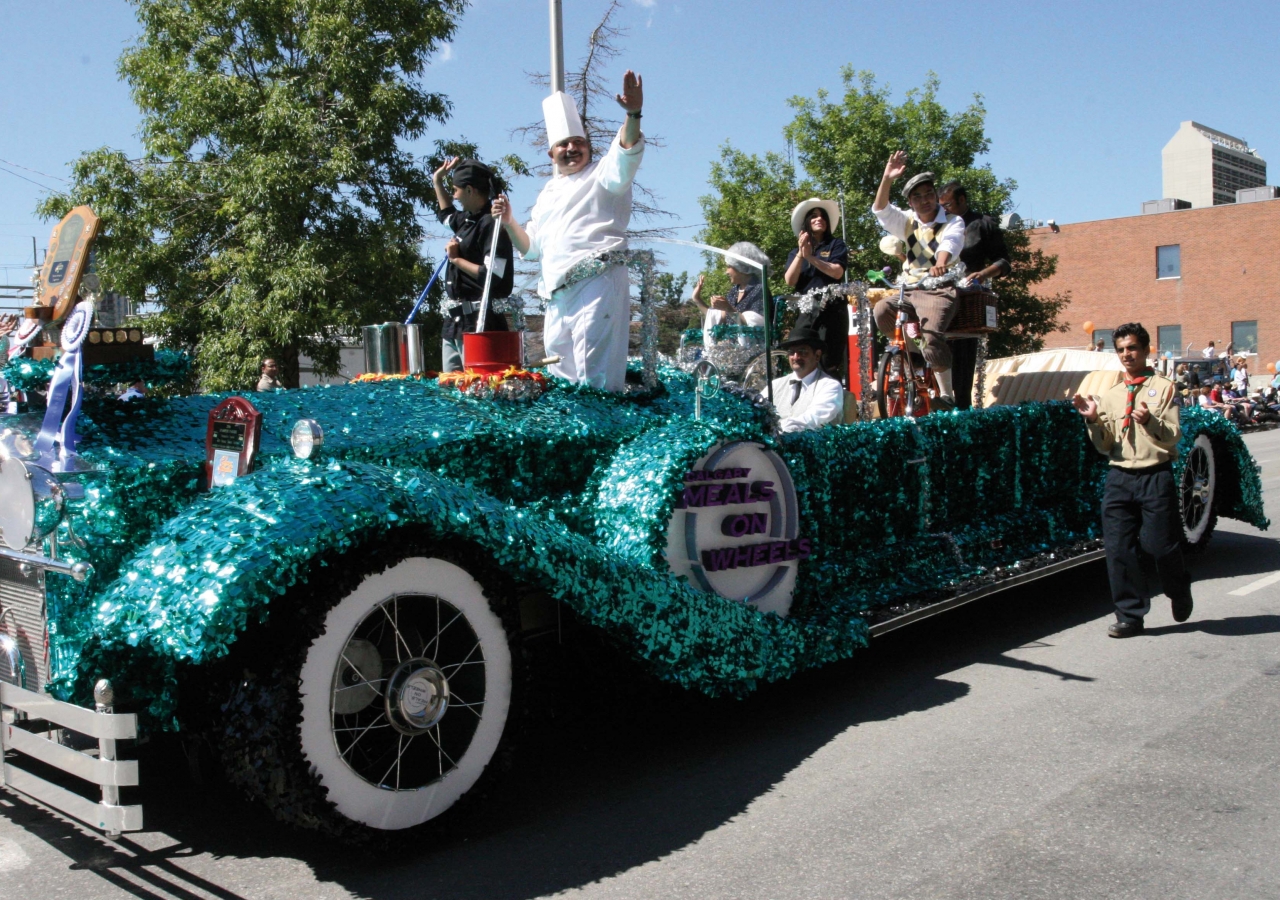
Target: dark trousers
(1140,510)
(935,310)
(964,359)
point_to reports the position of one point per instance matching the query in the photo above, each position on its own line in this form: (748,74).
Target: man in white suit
(578,232)
(808,398)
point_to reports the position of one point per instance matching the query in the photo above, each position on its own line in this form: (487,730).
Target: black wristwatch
(633,114)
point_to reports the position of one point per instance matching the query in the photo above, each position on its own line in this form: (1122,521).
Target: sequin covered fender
(217,567)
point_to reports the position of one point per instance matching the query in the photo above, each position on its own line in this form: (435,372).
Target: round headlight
(16,445)
(307,437)
(17,505)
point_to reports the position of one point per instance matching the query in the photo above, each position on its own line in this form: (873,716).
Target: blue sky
(1080,96)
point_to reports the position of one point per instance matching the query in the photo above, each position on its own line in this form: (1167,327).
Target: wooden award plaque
(231,441)
(66,260)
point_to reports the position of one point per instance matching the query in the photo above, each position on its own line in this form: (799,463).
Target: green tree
(675,314)
(273,209)
(668,289)
(752,201)
(842,146)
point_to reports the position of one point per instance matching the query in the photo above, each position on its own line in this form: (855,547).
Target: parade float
(343,586)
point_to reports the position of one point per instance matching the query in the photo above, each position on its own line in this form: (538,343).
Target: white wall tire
(345,771)
(1197,492)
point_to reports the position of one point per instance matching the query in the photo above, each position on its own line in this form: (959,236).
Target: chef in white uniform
(808,398)
(577,230)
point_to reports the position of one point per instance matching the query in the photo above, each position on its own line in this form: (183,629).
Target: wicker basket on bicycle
(976,312)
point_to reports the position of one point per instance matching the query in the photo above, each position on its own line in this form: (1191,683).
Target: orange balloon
(1271,367)
(1088,328)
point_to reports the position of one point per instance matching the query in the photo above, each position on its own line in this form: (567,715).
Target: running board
(103,769)
(986,590)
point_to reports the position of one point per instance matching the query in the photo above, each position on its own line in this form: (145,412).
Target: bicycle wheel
(894,389)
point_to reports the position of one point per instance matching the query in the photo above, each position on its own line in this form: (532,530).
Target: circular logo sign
(418,695)
(735,529)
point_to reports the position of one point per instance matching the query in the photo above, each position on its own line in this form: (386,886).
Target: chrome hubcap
(417,696)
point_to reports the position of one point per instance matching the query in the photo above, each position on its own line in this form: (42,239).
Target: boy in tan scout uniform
(1135,424)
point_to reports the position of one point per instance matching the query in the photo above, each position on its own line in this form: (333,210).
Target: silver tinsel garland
(980,373)
(641,264)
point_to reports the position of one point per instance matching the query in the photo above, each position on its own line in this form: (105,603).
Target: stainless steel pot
(393,349)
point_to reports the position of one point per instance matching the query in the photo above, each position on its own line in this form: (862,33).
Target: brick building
(1190,276)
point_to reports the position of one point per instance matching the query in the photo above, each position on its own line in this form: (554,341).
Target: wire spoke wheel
(405,695)
(1196,489)
(895,389)
(411,661)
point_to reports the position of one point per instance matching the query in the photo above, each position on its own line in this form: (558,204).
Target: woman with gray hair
(743,303)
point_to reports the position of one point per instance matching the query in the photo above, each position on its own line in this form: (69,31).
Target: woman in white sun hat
(819,259)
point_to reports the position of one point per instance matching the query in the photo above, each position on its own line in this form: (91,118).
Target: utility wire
(25,178)
(34,171)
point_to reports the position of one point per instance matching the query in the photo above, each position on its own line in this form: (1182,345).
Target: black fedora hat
(803,334)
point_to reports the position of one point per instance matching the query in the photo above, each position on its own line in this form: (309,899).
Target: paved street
(1005,750)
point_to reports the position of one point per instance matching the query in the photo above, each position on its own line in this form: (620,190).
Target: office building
(1207,167)
(1189,275)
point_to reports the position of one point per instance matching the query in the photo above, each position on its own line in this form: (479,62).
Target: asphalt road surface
(1006,749)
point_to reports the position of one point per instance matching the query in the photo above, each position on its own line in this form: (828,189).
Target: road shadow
(1232,553)
(1233,626)
(621,785)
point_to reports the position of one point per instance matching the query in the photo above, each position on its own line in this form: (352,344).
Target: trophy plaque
(231,441)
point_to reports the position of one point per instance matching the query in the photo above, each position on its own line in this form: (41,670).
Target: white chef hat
(561,115)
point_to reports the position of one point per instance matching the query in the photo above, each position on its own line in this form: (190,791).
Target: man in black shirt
(985,257)
(472,228)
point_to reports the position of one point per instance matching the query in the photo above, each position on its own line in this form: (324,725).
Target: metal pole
(844,236)
(104,698)
(488,275)
(557,47)
(768,331)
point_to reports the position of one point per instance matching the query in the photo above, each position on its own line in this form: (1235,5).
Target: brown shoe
(1125,629)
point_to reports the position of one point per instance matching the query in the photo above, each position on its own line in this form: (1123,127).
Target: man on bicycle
(934,241)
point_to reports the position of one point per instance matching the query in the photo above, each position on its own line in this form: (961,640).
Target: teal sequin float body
(568,494)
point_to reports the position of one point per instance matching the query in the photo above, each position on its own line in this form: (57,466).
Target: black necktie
(796,388)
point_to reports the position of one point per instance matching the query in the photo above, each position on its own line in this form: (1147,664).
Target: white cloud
(647,4)
(444,54)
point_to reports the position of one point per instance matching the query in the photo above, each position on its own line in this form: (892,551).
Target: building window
(1245,336)
(1169,340)
(1169,261)
(1104,335)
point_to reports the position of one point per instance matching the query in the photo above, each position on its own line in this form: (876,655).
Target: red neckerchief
(1133,384)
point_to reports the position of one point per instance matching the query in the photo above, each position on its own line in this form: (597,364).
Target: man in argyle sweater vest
(1135,425)
(933,242)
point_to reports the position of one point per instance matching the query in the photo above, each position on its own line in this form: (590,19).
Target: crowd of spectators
(1226,389)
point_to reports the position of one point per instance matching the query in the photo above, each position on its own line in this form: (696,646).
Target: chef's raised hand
(632,97)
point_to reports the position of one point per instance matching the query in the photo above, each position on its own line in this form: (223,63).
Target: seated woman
(743,303)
